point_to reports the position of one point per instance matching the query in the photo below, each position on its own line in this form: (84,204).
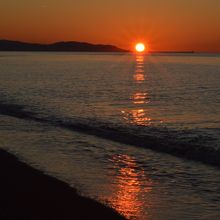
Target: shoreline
(27,193)
(191,150)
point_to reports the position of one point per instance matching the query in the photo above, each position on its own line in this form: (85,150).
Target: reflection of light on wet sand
(129,180)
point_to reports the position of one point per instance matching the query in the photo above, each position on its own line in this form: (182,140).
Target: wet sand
(26,193)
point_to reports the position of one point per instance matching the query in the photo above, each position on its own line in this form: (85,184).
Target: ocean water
(140,133)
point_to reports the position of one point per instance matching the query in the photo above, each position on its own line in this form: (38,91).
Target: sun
(140,47)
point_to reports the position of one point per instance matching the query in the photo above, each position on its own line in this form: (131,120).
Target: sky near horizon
(163,25)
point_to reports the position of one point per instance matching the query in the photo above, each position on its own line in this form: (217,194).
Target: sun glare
(140,47)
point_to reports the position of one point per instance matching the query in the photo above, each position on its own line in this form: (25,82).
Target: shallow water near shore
(62,112)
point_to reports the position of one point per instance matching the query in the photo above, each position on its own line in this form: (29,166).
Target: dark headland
(28,194)
(71,46)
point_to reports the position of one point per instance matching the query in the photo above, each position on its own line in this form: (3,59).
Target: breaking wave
(189,144)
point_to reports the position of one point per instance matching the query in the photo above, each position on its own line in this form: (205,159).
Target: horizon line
(107,44)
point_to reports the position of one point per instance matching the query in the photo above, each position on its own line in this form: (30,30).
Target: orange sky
(163,24)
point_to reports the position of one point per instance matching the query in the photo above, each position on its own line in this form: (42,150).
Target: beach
(110,110)
(27,193)
(138,133)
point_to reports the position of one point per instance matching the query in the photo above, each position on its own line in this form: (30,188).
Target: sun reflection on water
(139,117)
(139,76)
(140,98)
(129,182)
(140,59)
(138,114)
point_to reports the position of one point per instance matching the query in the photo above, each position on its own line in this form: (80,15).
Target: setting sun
(140,47)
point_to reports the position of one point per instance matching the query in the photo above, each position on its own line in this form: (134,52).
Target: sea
(137,132)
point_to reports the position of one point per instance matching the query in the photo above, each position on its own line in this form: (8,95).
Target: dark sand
(26,193)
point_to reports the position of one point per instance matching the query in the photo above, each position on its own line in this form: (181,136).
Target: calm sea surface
(110,125)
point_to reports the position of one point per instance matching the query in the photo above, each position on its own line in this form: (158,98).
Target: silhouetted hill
(8,45)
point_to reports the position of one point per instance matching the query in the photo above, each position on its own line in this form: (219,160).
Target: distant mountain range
(8,45)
